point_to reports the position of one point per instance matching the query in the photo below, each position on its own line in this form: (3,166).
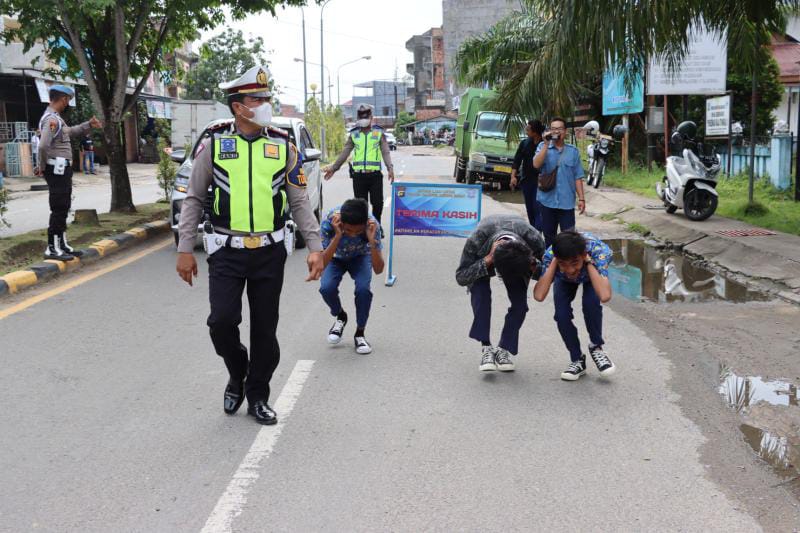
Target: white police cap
(254,82)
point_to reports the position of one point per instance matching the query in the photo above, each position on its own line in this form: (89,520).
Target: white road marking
(233,500)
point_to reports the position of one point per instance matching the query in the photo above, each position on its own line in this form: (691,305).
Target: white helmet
(592,127)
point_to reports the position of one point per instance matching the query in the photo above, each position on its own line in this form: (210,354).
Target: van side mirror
(178,156)
(313,154)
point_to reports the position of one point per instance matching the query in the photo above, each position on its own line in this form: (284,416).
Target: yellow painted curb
(104,247)
(60,264)
(72,264)
(139,233)
(19,280)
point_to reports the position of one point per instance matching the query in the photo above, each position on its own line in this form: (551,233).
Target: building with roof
(387,98)
(786,52)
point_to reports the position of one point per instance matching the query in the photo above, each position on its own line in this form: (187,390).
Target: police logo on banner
(227,149)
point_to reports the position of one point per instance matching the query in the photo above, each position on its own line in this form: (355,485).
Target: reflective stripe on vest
(367,150)
(248,183)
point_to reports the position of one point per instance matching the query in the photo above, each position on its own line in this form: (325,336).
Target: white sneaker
(487,359)
(362,346)
(335,333)
(503,359)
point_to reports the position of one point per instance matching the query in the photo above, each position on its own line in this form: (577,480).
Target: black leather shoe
(234,396)
(263,413)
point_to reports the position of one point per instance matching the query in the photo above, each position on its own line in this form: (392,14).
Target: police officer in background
(369,145)
(253,170)
(55,155)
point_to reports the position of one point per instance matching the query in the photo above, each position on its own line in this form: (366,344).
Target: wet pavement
(643,271)
(770,411)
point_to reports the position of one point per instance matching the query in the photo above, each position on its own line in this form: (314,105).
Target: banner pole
(390,277)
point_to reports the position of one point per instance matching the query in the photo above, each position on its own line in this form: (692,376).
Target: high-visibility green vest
(367,151)
(248,186)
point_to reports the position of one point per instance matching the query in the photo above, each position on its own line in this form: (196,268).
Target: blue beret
(63,89)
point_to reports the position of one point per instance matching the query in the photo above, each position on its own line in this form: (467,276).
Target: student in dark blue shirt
(525,175)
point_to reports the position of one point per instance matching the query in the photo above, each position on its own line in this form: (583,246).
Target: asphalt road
(113,418)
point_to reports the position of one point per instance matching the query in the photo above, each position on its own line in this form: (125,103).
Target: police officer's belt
(251,241)
(54,163)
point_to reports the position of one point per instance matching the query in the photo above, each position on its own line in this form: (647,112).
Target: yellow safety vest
(367,151)
(248,186)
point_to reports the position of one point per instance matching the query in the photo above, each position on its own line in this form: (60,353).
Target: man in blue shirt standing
(573,261)
(352,243)
(558,204)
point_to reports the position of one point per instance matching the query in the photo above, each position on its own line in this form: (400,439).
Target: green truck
(482,153)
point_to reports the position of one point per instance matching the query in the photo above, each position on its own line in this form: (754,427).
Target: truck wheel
(459,171)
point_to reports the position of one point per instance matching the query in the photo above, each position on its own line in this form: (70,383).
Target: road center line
(5,313)
(232,501)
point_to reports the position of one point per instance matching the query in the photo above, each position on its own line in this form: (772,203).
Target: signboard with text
(616,99)
(718,116)
(703,70)
(432,210)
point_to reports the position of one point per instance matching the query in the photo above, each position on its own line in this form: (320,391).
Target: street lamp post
(322,70)
(338,93)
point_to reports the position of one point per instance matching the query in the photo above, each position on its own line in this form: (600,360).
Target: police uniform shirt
(55,141)
(200,181)
(349,147)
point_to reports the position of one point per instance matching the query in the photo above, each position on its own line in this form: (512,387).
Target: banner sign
(435,210)
(618,101)
(432,210)
(718,116)
(703,70)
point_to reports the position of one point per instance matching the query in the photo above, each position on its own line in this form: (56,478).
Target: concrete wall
(462,19)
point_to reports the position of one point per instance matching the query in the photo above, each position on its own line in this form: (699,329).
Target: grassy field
(774,210)
(19,251)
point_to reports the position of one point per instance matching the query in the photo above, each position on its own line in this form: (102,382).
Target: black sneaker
(362,346)
(504,360)
(488,363)
(335,333)
(604,364)
(575,370)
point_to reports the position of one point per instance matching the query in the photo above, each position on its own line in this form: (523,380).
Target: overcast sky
(353,28)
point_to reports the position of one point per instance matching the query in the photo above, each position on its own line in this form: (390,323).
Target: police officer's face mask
(364,122)
(262,115)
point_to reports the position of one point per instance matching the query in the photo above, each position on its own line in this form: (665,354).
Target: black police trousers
(60,198)
(230,270)
(369,186)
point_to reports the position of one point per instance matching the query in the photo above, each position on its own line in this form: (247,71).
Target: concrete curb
(16,281)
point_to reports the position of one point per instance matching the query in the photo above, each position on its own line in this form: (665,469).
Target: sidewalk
(772,260)
(136,172)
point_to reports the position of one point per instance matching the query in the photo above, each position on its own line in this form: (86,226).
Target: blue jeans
(360,269)
(90,166)
(529,188)
(563,294)
(552,219)
(481,297)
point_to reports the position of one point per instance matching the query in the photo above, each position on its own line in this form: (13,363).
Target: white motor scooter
(691,181)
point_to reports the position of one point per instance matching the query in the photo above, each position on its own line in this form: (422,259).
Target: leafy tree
(110,42)
(537,57)
(313,118)
(166,170)
(335,134)
(404,118)
(223,58)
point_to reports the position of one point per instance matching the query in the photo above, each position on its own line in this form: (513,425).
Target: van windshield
(491,125)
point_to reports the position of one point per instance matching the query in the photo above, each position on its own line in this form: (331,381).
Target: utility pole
(305,71)
(322,73)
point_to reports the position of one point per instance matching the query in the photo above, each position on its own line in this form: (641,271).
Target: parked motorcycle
(598,151)
(691,180)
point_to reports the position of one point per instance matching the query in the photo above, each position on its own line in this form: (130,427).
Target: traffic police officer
(368,144)
(55,153)
(253,171)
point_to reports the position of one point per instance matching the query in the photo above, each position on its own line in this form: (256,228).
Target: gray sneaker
(504,361)
(487,359)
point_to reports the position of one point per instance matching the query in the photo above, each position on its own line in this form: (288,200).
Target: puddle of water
(781,452)
(640,271)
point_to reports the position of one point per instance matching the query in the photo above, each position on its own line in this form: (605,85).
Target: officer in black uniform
(253,171)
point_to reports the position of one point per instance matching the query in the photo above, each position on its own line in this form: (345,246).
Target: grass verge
(773,209)
(20,251)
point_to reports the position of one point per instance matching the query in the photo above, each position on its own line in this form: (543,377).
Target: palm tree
(539,56)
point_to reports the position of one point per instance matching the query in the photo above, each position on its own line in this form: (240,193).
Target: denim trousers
(360,270)
(563,294)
